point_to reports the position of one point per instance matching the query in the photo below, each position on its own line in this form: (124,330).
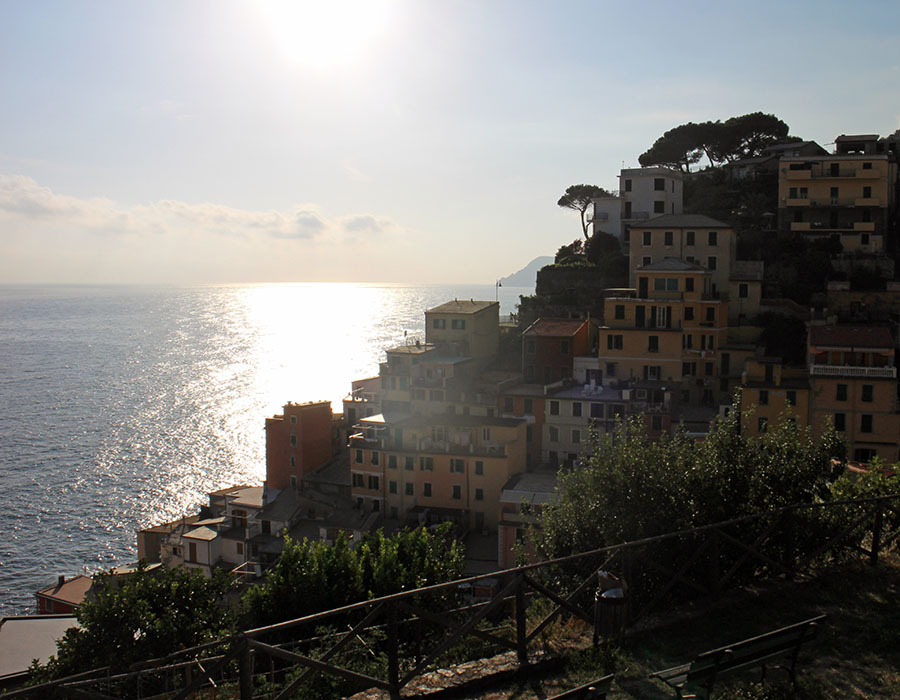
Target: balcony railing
(850,371)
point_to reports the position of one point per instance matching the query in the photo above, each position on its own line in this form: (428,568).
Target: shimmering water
(121,407)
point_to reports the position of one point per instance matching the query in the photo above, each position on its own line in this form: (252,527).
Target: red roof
(71,591)
(851,336)
(555,327)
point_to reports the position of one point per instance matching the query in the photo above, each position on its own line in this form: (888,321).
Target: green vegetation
(579,198)
(721,142)
(631,487)
(145,615)
(151,614)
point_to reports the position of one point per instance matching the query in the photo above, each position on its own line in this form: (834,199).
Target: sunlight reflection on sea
(120,407)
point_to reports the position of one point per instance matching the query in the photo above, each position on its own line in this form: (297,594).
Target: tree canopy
(631,487)
(721,142)
(579,198)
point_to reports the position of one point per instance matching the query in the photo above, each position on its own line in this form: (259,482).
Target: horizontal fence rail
(390,642)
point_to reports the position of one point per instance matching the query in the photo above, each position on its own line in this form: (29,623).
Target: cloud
(24,200)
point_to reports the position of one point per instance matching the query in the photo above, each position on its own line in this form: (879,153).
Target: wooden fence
(389,642)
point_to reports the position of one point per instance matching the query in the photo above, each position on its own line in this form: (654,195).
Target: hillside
(527,275)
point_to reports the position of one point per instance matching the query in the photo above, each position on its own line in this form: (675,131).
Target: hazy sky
(369,141)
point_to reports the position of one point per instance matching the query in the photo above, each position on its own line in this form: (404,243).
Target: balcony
(800,226)
(867,202)
(864,226)
(850,371)
(797,201)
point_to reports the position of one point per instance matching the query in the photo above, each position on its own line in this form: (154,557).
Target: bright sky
(380,140)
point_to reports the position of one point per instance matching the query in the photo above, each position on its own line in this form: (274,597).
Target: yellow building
(669,330)
(769,390)
(853,381)
(434,468)
(694,238)
(465,328)
(847,195)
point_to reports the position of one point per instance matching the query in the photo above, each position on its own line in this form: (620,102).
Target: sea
(122,406)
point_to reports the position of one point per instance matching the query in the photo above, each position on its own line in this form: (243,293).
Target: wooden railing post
(393,652)
(521,622)
(245,671)
(876,533)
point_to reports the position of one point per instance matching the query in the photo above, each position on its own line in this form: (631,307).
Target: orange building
(550,345)
(854,386)
(298,441)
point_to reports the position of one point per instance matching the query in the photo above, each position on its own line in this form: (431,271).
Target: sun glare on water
(325,33)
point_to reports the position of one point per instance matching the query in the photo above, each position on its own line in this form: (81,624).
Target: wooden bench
(778,649)
(595,690)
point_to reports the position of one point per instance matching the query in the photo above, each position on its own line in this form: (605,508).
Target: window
(610,369)
(358,458)
(530,347)
(743,290)
(659,184)
(656,423)
(408,463)
(628,184)
(479,468)
(596,410)
(294,418)
(763,397)
(508,405)
(409,489)
(426,464)
(554,434)
(374,483)
(791,398)
(689,284)
(620,312)
(239,547)
(653,343)
(713,238)
(564,347)
(576,436)
(485,433)
(392,461)
(392,487)
(688,369)
(426,489)
(792,193)
(709,369)
(711,262)
(358,480)
(374,459)
(457,466)
(762,424)
(293,462)
(576,409)
(554,408)
(614,342)
(439,323)
(689,312)
(868,393)
(646,260)
(648,238)
(458,324)
(668,237)
(841,392)
(293,440)
(479,494)
(529,407)
(659,207)
(689,237)
(710,314)
(457,492)
(865,423)
(867,166)
(867,192)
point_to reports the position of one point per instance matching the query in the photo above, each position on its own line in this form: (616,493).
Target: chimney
(61,580)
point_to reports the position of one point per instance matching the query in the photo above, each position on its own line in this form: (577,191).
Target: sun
(325,33)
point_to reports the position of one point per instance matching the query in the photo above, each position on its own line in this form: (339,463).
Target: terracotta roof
(71,591)
(463,306)
(851,336)
(555,327)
